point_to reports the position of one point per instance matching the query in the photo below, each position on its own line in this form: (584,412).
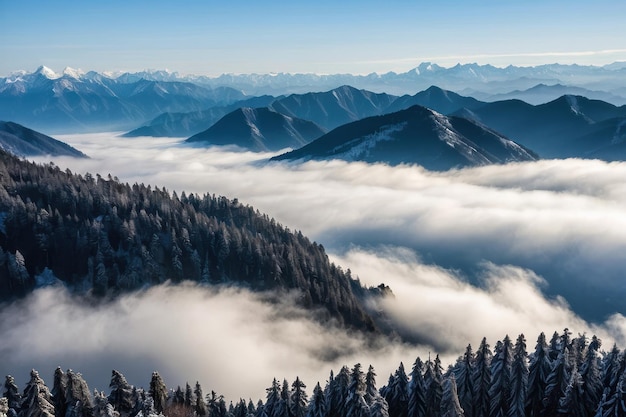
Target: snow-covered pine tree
(78,396)
(298,400)
(355,402)
(463,372)
(450,406)
(371,392)
(199,405)
(590,372)
(399,399)
(519,379)
(158,392)
(538,372)
(317,404)
(572,404)
(556,384)
(120,396)
(284,403)
(59,388)
(12,393)
(36,399)
(271,401)
(482,380)
(417,391)
(500,391)
(337,394)
(433,382)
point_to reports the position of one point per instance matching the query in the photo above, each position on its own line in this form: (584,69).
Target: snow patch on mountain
(447,133)
(361,146)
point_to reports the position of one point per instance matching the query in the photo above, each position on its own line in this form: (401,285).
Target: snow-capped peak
(73,73)
(47,72)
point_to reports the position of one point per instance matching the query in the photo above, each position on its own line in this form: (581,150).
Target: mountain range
(79,101)
(416,135)
(89,102)
(568,127)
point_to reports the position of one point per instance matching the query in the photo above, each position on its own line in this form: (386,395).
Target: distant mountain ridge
(570,126)
(416,135)
(259,129)
(74,101)
(22,141)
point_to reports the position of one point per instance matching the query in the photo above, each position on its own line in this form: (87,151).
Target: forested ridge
(101,237)
(566,376)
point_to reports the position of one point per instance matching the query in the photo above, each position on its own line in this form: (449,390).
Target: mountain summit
(416,135)
(260,129)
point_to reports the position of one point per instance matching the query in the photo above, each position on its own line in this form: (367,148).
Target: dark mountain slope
(260,129)
(22,141)
(187,124)
(100,236)
(435,98)
(414,136)
(335,107)
(569,126)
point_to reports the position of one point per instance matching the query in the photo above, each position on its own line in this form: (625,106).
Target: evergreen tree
(355,402)
(272,399)
(433,382)
(190,401)
(59,389)
(12,393)
(317,405)
(298,400)
(284,403)
(591,376)
(500,391)
(450,406)
(556,384)
(338,389)
(417,394)
(519,379)
(399,398)
(120,396)
(539,370)
(199,406)
(379,408)
(158,392)
(77,396)
(371,392)
(481,378)
(463,375)
(572,404)
(36,399)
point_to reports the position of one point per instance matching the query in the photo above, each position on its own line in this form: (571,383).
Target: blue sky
(215,37)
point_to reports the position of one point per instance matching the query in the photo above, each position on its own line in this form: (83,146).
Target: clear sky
(323,36)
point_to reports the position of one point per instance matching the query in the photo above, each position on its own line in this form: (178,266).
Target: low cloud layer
(478,252)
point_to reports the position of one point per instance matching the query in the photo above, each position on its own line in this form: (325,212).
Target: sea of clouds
(489,251)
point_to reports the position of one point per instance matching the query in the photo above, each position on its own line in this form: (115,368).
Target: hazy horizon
(207,38)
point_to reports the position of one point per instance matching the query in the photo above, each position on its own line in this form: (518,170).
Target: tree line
(566,376)
(101,237)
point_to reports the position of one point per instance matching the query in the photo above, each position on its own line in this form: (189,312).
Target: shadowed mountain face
(334,108)
(435,98)
(570,126)
(260,129)
(22,141)
(186,124)
(414,136)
